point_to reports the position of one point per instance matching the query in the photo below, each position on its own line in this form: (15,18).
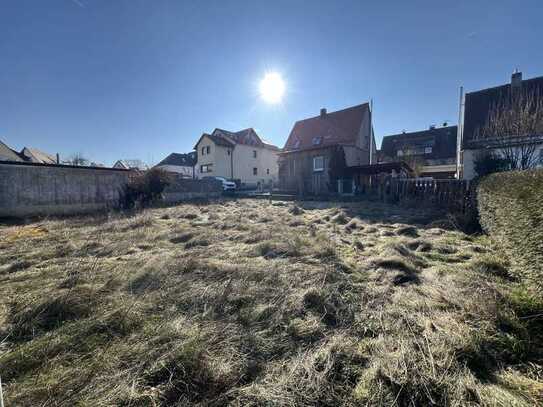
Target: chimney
(323,112)
(445,124)
(58,158)
(516,79)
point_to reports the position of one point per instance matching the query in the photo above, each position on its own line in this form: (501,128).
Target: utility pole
(459,133)
(371,130)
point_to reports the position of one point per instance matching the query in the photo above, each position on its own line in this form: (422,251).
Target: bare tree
(514,127)
(78,159)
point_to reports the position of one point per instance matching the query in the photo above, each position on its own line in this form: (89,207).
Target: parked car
(226,185)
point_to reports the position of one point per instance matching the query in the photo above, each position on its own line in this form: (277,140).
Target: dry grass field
(253,303)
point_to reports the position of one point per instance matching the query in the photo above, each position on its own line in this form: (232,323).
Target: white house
(182,164)
(240,155)
(137,165)
(474,114)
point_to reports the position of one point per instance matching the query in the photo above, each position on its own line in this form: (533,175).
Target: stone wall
(28,189)
(183,189)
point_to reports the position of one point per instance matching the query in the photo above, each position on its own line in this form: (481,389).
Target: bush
(511,211)
(142,189)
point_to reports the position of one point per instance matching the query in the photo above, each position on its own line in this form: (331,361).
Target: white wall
(218,157)
(244,162)
(469,157)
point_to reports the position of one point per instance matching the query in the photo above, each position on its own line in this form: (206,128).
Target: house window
(399,153)
(268,170)
(427,150)
(228,151)
(206,168)
(254,153)
(255,171)
(318,163)
(208,149)
(203,150)
(316,141)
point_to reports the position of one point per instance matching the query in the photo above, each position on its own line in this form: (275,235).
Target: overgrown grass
(251,303)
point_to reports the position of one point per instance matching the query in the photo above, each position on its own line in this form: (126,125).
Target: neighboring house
(475,112)
(429,153)
(319,150)
(36,156)
(27,154)
(183,164)
(7,154)
(137,165)
(242,156)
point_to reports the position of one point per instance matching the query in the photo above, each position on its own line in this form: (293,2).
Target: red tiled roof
(340,127)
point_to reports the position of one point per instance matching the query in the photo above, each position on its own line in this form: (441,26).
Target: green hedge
(511,211)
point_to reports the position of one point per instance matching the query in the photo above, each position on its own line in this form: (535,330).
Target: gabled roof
(479,103)
(442,140)
(7,154)
(340,127)
(131,165)
(228,138)
(37,156)
(181,160)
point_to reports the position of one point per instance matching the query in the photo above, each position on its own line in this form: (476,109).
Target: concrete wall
(34,189)
(186,189)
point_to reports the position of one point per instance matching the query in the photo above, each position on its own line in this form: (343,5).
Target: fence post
(1,394)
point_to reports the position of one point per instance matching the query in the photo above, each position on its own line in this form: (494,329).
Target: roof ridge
(535,78)
(420,131)
(336,111)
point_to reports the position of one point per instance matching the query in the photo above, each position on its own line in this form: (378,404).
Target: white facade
(470,156)
(251,164)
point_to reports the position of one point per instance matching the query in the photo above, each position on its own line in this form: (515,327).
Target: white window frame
(208,168)
(428,150)
(315,160)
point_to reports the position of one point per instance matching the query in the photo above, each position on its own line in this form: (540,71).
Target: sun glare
(272,88)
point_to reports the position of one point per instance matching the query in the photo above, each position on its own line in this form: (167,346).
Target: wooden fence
(455,195)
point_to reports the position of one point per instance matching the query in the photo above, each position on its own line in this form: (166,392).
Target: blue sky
(140,79)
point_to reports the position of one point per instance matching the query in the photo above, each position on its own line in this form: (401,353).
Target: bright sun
(272,87)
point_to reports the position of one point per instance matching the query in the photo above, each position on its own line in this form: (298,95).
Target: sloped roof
(37,156)
(479,103)
(7,154)
(131,165)
(442,140)
(230,138)
(340,127)
(181,160)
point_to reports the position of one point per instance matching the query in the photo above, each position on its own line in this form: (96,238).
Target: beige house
(240,155)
